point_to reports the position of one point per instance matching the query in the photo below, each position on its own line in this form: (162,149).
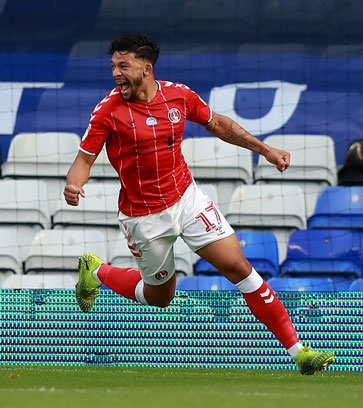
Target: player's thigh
(227,257)
(156,260)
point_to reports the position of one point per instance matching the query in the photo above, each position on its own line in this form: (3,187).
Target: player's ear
(148,69)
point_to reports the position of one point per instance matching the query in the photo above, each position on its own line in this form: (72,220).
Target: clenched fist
(72,193)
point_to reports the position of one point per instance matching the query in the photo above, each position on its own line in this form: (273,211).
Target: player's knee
(162,302)
(237,270)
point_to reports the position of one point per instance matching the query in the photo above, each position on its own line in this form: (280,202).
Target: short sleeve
(95,135)
(198,110)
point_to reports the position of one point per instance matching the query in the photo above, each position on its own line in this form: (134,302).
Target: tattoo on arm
(238,136)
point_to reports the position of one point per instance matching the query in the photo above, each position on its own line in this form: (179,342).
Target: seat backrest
(357,285)
(41,154)
(210,157)
(338,207)
(312,158)
(324,244)
(40,281)
(10,258)
(99,206)
(302,284)
(60,249)
(340,200)
(323,251)
(24,201)
(261,249)
(203,282)
(267,205)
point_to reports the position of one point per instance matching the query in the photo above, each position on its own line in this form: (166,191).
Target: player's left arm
(231,132)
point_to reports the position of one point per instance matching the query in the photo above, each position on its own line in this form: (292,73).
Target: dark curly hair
(141,45)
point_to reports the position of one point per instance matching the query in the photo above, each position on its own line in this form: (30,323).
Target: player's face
(128,72)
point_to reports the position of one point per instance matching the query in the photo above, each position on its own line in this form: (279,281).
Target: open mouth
(124,87)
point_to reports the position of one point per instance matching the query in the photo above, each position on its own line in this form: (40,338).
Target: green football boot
(87,287)
(309,361)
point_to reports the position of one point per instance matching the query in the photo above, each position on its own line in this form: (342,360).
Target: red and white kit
(143,143)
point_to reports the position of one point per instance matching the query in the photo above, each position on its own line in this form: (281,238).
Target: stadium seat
(325,251)
(46,156)
(357,285)
(279,209)
(351,174)
(24,202)
(338,207)
(10,258)
(302,284)
(59,250)
(97,210)
(213,161)
(42,280)
(260,248)
(202,282)
(313,165)
(24,207)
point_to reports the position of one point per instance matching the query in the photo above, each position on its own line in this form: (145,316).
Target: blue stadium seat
(305,284)
(203,282)
(356,286)
(260,248)
(323,251)
(338,207)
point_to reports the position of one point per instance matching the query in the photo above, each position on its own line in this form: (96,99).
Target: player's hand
(72,193)
(279,158)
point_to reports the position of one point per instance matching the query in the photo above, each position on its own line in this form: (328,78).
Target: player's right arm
(77,177)
(93,139)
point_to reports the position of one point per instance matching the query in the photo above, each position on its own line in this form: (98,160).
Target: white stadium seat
(41,280)
(60,249)
(10,257)
(24,202)
(212,160)
(98,209)
(277,208)
(47,154)
(313,165)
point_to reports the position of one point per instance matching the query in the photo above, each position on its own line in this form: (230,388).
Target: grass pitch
(107,387)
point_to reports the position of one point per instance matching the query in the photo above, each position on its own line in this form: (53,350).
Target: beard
(135,86)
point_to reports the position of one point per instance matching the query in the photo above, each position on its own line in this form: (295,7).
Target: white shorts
(151,237)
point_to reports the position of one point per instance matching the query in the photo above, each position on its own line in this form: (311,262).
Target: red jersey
(143,143)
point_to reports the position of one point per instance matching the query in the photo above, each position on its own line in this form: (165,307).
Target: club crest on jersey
(151,121)
(161,275)
(174,115)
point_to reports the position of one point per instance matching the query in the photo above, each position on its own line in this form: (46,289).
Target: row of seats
(336,255)
(286,284)
(277,209)
(313,164)
(54,280)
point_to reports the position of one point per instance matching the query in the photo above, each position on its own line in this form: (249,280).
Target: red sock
(269,310)
(122,281)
